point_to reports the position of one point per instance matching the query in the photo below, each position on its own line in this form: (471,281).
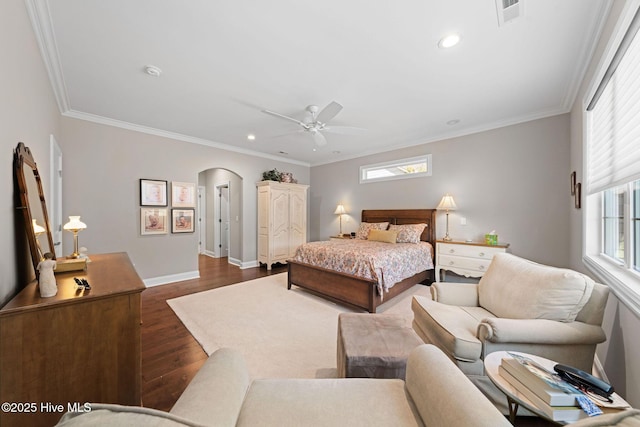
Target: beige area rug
(282,333)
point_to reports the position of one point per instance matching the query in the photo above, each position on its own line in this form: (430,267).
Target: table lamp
(340,211)
(74,225)
(37,231)
(447,204)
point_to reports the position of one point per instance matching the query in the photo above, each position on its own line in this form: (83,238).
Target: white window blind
(614,143)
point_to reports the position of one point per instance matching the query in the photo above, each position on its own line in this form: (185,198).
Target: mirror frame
(23,161)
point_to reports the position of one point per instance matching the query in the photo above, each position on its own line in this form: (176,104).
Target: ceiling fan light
(449,41)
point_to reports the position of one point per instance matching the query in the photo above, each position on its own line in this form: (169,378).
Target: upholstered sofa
(435,393)
(518,305)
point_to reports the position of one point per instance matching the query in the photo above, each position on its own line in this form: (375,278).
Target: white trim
(244,265)
(179,277)
(624,283)
(209,254)
(174,135)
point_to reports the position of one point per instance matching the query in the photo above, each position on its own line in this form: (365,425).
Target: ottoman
(374,345)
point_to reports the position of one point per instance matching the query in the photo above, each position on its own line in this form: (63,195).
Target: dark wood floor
(171,356)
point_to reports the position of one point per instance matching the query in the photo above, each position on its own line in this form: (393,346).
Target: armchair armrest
(217,391)
(452,293)
(538,331)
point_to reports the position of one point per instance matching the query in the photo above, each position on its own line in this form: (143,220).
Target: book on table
(555,413)
(544,384)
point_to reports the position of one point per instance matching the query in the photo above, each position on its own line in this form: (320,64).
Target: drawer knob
(482,267)
(451,251)
(451,263)
(481,253)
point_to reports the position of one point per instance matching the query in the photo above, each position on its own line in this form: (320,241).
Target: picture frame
(153,221)
(183,194)
(182,220)
(578,196)
(153,192)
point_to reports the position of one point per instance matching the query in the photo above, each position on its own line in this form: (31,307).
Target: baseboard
(209,254)
(249,264)
(163,280)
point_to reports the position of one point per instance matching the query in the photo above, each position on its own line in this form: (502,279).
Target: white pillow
(408,233)
(517,288)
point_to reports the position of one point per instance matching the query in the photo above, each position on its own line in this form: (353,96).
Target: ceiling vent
(509,10)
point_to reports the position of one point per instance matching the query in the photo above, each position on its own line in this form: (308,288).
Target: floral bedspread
(385,263)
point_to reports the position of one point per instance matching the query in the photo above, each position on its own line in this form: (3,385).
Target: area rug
(281,333)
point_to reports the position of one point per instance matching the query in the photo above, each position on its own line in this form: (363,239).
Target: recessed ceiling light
(453,122)
(152,70)
(251,137)
(449,41)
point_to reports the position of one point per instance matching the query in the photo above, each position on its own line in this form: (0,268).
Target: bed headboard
(405,216)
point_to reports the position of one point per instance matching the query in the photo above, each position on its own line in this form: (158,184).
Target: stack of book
(554,397)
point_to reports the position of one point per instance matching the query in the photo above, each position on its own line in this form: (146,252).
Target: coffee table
(515,399)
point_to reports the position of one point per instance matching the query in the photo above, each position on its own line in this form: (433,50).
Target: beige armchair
(518,305)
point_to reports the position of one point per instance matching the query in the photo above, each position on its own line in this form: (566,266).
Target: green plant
(272,175)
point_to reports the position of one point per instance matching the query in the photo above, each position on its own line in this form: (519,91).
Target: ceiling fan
(316,122)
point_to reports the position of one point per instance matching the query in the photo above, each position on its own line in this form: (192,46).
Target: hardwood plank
(170,354)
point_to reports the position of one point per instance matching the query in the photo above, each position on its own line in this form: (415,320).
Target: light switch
(463,221)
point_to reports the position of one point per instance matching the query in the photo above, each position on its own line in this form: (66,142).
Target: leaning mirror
(32,204)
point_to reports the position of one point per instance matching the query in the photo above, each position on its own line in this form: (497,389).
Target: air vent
(508,10)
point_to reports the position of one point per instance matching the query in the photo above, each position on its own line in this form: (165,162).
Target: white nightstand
(469,259)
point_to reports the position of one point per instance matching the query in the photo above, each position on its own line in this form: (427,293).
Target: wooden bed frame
(356,291)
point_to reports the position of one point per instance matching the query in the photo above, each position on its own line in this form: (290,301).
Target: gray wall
(102,168)
(28,113)
(513,180)
(619,354)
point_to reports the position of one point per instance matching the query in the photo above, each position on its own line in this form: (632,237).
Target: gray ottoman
(374,345)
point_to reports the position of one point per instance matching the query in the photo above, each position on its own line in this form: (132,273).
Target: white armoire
(282,220)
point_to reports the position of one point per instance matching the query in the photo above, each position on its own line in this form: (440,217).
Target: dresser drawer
(474,264)
(481,252)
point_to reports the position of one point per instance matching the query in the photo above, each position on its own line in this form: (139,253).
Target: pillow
(408,233)
(517,288)
(387,236)
(363,231)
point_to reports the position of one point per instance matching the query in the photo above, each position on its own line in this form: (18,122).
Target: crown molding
(175,136)
(40,17)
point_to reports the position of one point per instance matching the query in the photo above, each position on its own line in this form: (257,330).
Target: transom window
(413,167)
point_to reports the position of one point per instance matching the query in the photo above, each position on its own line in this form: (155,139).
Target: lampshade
(447,203)
(74,224)
(340,210)
(37,228)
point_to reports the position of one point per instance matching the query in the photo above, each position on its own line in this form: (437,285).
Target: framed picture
(183,194)
(153,192)
(578,196)
(153,221)
(182,220)
(573,183)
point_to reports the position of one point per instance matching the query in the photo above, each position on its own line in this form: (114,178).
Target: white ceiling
(223,62)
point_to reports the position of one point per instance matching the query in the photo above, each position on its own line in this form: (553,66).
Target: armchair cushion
(517,288)
(452,328)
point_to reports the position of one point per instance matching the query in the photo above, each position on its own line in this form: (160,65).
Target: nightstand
(343,237)
(469,259)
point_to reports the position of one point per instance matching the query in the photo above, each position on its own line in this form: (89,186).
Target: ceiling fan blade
(319,139)
(273,113)
(329,112)
(345,130)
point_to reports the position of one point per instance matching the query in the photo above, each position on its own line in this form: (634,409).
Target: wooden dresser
(76,347)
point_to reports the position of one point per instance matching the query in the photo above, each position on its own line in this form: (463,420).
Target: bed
(358,291)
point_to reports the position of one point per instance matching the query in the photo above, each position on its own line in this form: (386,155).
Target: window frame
(426,158)
(619,275)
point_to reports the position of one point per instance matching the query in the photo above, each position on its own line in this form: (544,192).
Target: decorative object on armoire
(282,220)
(75,225)
(447,204)
(46,278)
(272,175)
(340,211)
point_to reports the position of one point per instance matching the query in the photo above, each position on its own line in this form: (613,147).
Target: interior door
(224,221)
(55,195)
